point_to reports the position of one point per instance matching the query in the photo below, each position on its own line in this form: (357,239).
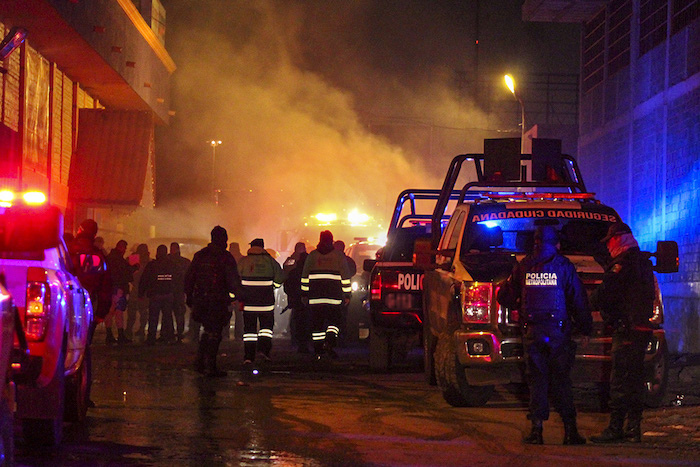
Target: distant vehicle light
(357,218)
(326,218)
(34,197)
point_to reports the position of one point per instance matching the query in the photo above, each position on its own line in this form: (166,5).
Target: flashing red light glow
(38,303)
(476,302)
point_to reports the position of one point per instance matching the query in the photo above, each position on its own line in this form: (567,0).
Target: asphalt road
(153,409)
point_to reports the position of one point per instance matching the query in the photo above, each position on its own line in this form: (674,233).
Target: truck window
(399,245)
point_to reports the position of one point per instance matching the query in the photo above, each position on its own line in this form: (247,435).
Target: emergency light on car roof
(534,195)
(33,198)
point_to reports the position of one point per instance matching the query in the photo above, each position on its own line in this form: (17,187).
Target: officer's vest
(543,298)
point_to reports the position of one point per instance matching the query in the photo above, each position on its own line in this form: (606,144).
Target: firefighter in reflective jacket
(325,282)
(551,299)
(260,274)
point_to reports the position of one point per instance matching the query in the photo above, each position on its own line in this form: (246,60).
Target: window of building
(684,13)
(594,51)
(652,24)
(619,22)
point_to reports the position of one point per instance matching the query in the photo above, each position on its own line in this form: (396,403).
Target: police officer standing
(260,275)
(325,282)
(211,282)
(626,301)
(179,308)
(158,285)
(549,294)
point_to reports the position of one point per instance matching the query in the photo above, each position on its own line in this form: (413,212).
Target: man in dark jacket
(261,275)
(626,301)
(91,269)
(122,274)
(325,283)
(93,274)
(301,321)
(552,300)
(211,283)
(157,284)
(179,306)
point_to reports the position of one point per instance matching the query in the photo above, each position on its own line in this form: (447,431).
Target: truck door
(442,278)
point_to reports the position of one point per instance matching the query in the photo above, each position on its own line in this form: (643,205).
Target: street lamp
(214,144)
(511,85)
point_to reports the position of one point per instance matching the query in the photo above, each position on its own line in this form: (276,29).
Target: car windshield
(512,230)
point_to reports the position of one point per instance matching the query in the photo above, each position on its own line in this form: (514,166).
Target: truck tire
(49,431)
(379,349)
(76,394)
(657,377)
(429,343)
(452,380)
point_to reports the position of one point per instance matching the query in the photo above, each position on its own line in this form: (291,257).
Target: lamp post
(214,144)
(511,85)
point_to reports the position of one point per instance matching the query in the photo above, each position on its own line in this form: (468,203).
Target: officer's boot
(199,361)
(212,351)
(110,337)
(571,435)
(613,433)
(633,432)
(122,339)
(535,436)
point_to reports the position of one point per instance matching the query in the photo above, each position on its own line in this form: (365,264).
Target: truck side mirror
(423,254)
(666,256)
(368,265)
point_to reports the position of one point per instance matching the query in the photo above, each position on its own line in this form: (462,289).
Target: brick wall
(643,159)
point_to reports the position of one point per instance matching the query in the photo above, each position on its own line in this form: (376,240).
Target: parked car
(55,313)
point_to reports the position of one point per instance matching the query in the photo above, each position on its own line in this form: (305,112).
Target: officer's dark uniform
(550,295)
(210,282)
(626,301)
(260,275)
(179,309)
(156,283)
(325,282)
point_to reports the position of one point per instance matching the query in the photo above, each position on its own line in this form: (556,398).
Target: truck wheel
(657,377)
(49,431)
(429,343)
(451,378)
(76,394)
(379,349)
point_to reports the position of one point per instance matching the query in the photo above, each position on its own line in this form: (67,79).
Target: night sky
(333,105)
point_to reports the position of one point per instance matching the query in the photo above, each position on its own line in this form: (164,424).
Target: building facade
(80,98)
(639,130)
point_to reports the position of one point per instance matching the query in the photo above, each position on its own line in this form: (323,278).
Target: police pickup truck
(471,342)
(395,285)
(55,312)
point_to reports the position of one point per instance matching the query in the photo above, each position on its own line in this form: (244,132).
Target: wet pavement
(153,409)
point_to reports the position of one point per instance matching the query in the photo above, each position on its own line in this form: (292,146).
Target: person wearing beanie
(261,275)
(625,299)
(552,301)
(325,284)
(211,283)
